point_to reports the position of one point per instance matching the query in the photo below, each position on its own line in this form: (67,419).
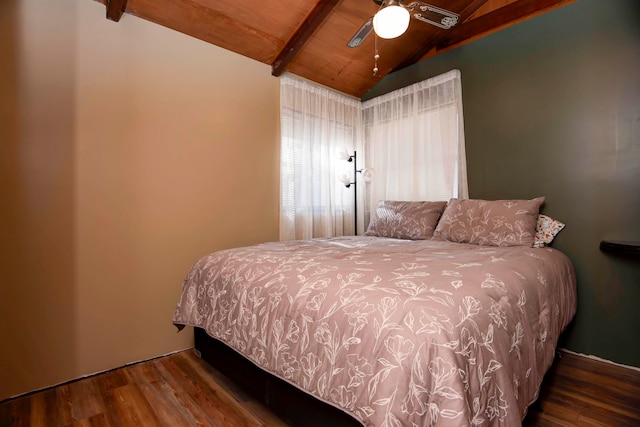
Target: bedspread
(394,332)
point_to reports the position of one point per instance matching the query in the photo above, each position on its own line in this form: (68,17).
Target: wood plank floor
(581,391)
(182,390)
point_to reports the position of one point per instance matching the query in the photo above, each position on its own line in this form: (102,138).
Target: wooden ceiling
(309,37)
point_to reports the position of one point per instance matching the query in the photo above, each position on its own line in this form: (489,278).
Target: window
(411,141)
(316,124)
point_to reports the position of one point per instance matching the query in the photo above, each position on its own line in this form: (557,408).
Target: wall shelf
(621,247)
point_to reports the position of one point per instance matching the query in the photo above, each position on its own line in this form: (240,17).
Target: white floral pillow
(547,229)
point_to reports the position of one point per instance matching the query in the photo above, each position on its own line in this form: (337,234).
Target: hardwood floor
(174,390)
(580,391)
(182,390)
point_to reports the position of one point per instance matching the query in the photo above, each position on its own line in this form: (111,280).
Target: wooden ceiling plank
(302,34)
(469,10)
(498,19)
(115,9)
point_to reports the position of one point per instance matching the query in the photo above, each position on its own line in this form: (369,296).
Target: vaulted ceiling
(309,37)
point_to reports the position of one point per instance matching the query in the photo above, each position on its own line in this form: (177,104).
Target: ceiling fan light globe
(391,22)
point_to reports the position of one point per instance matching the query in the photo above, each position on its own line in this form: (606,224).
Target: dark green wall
(552,108)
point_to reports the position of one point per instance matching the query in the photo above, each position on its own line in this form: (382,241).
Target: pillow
(489,223)
(405,220)
(547,229)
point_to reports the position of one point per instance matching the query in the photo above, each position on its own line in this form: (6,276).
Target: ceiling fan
(392,19)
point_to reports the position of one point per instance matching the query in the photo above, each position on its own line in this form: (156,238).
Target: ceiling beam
(302,34)
(500,18)
(429,44)
(115,9)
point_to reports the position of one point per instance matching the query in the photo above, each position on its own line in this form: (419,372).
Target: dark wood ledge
(621,247)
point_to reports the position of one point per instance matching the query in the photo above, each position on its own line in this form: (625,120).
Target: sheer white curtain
(414,142)
(410,141)
(316,125)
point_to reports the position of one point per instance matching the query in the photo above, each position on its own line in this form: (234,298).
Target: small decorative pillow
(547,229)
(489,223)
(405,220)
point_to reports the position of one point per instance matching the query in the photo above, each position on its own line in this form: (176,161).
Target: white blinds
(316,124)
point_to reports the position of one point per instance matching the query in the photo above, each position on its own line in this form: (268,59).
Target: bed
(410,325)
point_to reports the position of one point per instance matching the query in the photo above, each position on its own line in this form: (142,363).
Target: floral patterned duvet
(394,332)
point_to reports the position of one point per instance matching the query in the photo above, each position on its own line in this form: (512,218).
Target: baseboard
(17,396)
(589,356)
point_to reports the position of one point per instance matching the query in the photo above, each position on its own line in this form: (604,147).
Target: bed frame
(288,402)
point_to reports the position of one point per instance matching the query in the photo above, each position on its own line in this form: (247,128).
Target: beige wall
(127,151)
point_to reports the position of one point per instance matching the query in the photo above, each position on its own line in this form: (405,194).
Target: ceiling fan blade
(361,34)
(433,15)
